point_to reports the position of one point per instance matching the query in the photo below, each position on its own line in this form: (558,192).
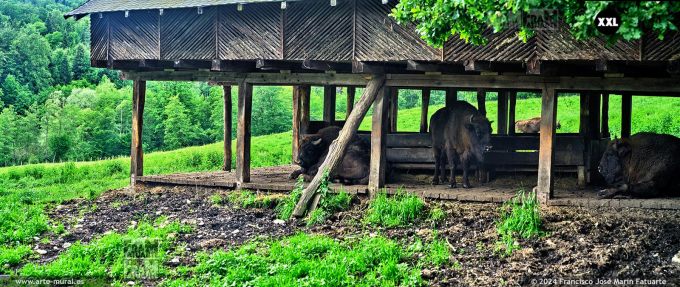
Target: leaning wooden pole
(339,145)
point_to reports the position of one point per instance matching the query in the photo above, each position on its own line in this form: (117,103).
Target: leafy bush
(11,256)
(399,210)
(521,217)
(285,208)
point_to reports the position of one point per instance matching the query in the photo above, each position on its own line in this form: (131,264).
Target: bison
(354,167)
(644,165)
(460,134)
(531,126)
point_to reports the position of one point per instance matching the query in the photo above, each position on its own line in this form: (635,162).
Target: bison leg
(437,162)
(612,192)
(442,166)
(644,189)
(466,165)
(295,174)
(451,155)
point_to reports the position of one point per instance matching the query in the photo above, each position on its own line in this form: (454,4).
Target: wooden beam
(329,100)
(297,119)
(192,64)
(661,86)
(451,96)
(305,116)
(546,155)
(367,68)
(156,64)
(626,114)
(326,66)
(137,150)
(351,93)
(512,112)
(424,106)
(584,133)
(233,66)
(486,66)
(245,108)
(276,65)
(502,112)
(605,116)
(393,109)
(378,141)
(339,145)
(226,112)
(481,101)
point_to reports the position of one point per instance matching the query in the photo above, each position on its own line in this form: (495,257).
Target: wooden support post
(378,142)
(512,98)
(297,119)
(604,130)
(329,98)
(451,96)
(137,150)
(305,116)
(503,112)
(245,108)
(594,116)
(626,114)
(424,106)
(481,101)
(393,109)
(226,112)
(584,133)
(337,149)
(547,143)
(351,93)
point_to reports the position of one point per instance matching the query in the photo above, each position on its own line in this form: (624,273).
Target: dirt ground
(585,244)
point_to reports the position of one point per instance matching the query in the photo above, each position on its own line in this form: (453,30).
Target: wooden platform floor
(276,179)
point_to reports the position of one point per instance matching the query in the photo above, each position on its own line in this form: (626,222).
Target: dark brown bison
(354,167)
(531,126)
(460,134)
(644,165)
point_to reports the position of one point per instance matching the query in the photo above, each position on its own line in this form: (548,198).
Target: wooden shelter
(350,43)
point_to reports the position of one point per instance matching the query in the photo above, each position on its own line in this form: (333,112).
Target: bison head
(480,127)
(611,165)
(310,151)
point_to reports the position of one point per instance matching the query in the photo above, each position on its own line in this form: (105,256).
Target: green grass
(519,217)
(398,210)
(246,199)
(307,260)
(286,207)
(11,256)
(141,252)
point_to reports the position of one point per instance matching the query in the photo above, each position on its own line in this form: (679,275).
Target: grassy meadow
(26,192)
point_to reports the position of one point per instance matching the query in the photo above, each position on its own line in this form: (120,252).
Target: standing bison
(531,126)
(644,165)
(460,134)
(354,168)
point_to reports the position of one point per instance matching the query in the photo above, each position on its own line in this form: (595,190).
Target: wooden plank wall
(358,30)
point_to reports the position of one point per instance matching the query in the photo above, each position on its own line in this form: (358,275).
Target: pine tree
(81,62)
(60,67)
(179,130)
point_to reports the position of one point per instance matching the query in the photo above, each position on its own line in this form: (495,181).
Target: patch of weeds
(217,199)
(328,203)
(438,252)
(250,199)
(307,260)
(139,253)
(521,217)
(285,208)
(398,210)
(11,256)
(437,214)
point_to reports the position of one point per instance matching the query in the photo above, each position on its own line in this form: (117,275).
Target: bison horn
(316,142)
(471,117)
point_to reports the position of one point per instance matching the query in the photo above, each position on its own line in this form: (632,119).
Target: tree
(60,67)
(8,127)
(270,115)
(436,21)
(32,59)
(15,94)
(81,61)
(179,130)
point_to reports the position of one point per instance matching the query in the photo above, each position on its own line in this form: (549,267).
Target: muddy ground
(587,244)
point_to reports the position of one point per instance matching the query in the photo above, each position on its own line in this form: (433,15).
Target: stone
(235,231)
(279,221)
(676,258)
(41,251)
(212,243)
(66,245)
(175,260)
